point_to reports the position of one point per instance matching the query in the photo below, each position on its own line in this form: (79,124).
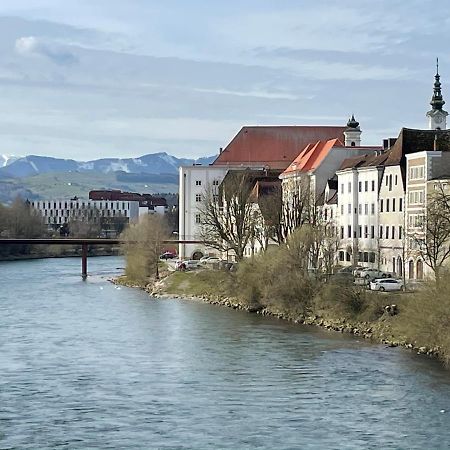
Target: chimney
(392,141)
(388,143)
(220,150)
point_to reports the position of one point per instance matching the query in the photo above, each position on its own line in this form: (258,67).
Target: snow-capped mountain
(155,163)
(7,159)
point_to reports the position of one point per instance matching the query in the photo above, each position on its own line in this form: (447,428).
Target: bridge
(84,243)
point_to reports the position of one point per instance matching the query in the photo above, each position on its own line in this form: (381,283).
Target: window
(372,257)
(366,186)
(366,231)
(387,231)
(342,210)
(342,188)
(393,232)
(198,197)
(198,182)
(390,182)
(360,186)
(197,218)
(381,231)
(416,197)
(349,187)
(387,205)
(372,208)
(349,208)
(366,209)
(342,232)
(366,257)
(373,185)
(215,182)
(416,173)
(341,256)
(349,231)
(372,232)
(393,205)
(400,204)
(360,231)
(347,256)
(400,232)
(381,205)
(396,180)
(360,208)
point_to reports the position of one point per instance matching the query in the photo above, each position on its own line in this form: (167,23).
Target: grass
(198,283)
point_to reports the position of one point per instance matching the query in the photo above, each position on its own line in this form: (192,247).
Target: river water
(92,365)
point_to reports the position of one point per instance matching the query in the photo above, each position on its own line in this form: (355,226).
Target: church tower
(352,133)
(437,117)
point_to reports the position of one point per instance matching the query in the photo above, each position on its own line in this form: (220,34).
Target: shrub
(425,319)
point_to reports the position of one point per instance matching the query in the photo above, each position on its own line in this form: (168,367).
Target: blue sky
(92,78)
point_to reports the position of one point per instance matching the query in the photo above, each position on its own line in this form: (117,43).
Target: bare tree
(142,244)
(270,221)
(433,239)
(298,205)
(227,214)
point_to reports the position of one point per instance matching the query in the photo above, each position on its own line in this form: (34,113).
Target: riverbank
(380,317)
(61,253)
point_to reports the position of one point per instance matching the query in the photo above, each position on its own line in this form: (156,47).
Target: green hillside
(66,185)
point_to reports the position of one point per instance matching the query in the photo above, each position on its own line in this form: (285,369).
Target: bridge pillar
(84,254)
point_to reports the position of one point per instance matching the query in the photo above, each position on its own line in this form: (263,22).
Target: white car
(386,284)
(372,274)
(209,260)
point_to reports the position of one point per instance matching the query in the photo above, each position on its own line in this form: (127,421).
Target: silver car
(386,284)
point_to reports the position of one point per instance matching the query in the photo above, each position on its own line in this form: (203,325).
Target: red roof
(312,155)
(273,146)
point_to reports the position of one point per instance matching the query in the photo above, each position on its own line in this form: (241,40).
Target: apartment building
(110,216)
(358,182)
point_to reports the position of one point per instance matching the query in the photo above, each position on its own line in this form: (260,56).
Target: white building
(59,212)
(194,180)
(392,210)
(357,209)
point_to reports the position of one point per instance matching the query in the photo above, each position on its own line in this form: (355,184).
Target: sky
(85,79)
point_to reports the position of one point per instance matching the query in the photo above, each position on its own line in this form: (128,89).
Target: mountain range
(154,163)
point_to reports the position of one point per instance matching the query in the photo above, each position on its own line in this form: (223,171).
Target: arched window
(419,270)
(411,269)
(399,266)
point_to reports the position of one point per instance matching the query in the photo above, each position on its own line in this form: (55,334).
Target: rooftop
(313,155)
(273,146)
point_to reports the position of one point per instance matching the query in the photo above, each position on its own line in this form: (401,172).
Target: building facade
(110,216)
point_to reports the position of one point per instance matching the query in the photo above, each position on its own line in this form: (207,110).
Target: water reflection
(85,365)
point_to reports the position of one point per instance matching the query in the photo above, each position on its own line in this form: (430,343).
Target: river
(92,365)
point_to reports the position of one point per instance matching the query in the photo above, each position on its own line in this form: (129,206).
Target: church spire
(437,117)
(437,102)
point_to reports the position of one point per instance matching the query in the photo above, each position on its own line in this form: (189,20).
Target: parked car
(209,259)
(371,274)
(357,271)
(386,284)
(348,269)
(168,255)
(192,264)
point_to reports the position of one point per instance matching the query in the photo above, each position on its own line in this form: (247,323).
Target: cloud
(32,46)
